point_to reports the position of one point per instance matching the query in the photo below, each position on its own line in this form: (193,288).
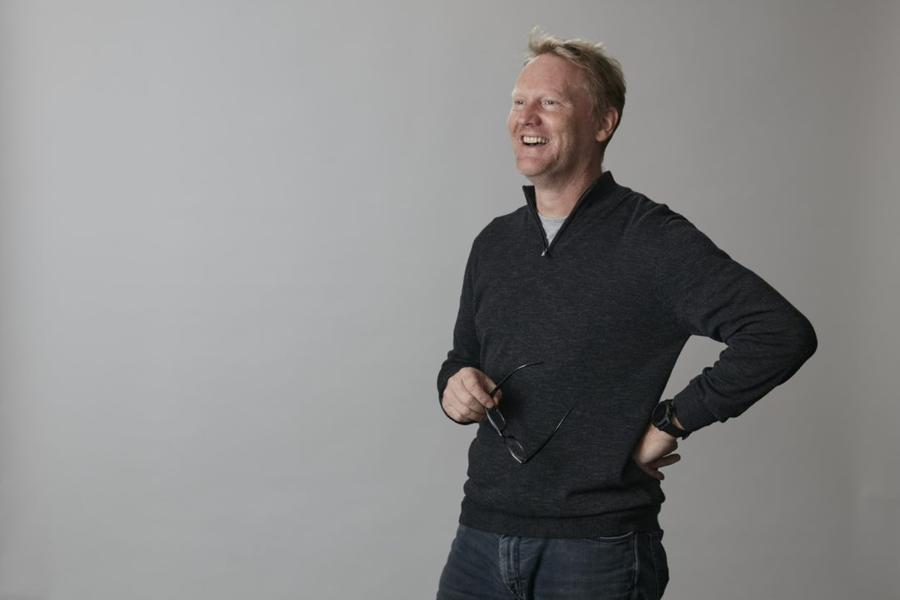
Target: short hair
(605,80)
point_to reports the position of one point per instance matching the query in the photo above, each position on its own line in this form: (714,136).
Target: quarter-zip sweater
(606,308)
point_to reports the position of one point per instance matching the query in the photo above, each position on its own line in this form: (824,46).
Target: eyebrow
(550,92)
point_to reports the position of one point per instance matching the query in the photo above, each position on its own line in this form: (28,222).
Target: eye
(549,102)
(518,102)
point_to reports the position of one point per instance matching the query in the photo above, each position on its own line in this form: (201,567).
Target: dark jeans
(488,566)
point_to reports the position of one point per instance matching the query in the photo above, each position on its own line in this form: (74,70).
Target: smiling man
(558,135)
(574,309)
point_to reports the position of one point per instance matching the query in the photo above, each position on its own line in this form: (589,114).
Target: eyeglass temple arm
(544,443)
(508,375)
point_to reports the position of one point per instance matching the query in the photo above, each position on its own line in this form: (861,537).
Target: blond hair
(605,81)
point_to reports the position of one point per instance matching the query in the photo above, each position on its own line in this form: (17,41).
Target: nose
(528,114)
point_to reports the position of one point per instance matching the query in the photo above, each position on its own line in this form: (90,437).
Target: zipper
(532,205)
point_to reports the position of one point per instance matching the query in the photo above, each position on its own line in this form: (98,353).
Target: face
(554,133)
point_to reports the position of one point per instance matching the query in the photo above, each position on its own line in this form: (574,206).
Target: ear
(607,124)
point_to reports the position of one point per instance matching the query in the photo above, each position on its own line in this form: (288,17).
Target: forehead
(550,73)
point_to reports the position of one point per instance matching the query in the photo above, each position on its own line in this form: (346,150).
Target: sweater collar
(600,189)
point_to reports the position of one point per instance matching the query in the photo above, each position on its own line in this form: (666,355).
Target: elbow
(805,340)
(810,340)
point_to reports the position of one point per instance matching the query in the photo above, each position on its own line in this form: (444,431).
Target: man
(578,303)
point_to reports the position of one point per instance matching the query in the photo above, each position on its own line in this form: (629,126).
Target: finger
(455,414)
(475,415)
(465,414)
(476,390)
(671,459)
(489,385)
(451,406)
(464,406)
(464,399)
(649,470)
(473,412)
(656,474)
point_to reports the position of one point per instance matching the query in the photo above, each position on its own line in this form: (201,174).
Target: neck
(555,200)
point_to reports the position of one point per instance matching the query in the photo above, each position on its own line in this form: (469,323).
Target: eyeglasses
(516,448)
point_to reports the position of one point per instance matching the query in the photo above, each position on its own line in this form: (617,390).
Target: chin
(529,169)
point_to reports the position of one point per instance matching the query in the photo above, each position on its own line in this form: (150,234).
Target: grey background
(232,238)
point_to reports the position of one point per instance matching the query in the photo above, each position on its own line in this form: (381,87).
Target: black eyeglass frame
(515,447)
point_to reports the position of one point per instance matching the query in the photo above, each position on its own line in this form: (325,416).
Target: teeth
(531,139)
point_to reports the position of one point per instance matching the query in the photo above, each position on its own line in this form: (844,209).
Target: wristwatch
(663,417)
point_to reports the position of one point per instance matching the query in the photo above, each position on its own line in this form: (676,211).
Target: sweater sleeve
(466,350)
(712,295)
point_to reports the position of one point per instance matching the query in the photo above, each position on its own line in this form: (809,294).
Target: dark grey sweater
(607,307)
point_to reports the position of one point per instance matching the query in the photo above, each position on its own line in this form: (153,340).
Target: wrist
(665,419)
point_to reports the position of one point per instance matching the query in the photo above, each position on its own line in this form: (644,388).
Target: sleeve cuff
(692,414)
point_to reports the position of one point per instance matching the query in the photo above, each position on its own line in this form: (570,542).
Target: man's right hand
(466,396)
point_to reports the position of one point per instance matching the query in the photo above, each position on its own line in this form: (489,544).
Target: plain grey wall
(231,248)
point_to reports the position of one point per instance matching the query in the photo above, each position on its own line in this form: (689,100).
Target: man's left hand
(654,452)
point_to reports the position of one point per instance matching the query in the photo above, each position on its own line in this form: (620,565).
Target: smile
(531,140)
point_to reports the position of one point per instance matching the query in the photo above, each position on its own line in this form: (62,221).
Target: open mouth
(534,140)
